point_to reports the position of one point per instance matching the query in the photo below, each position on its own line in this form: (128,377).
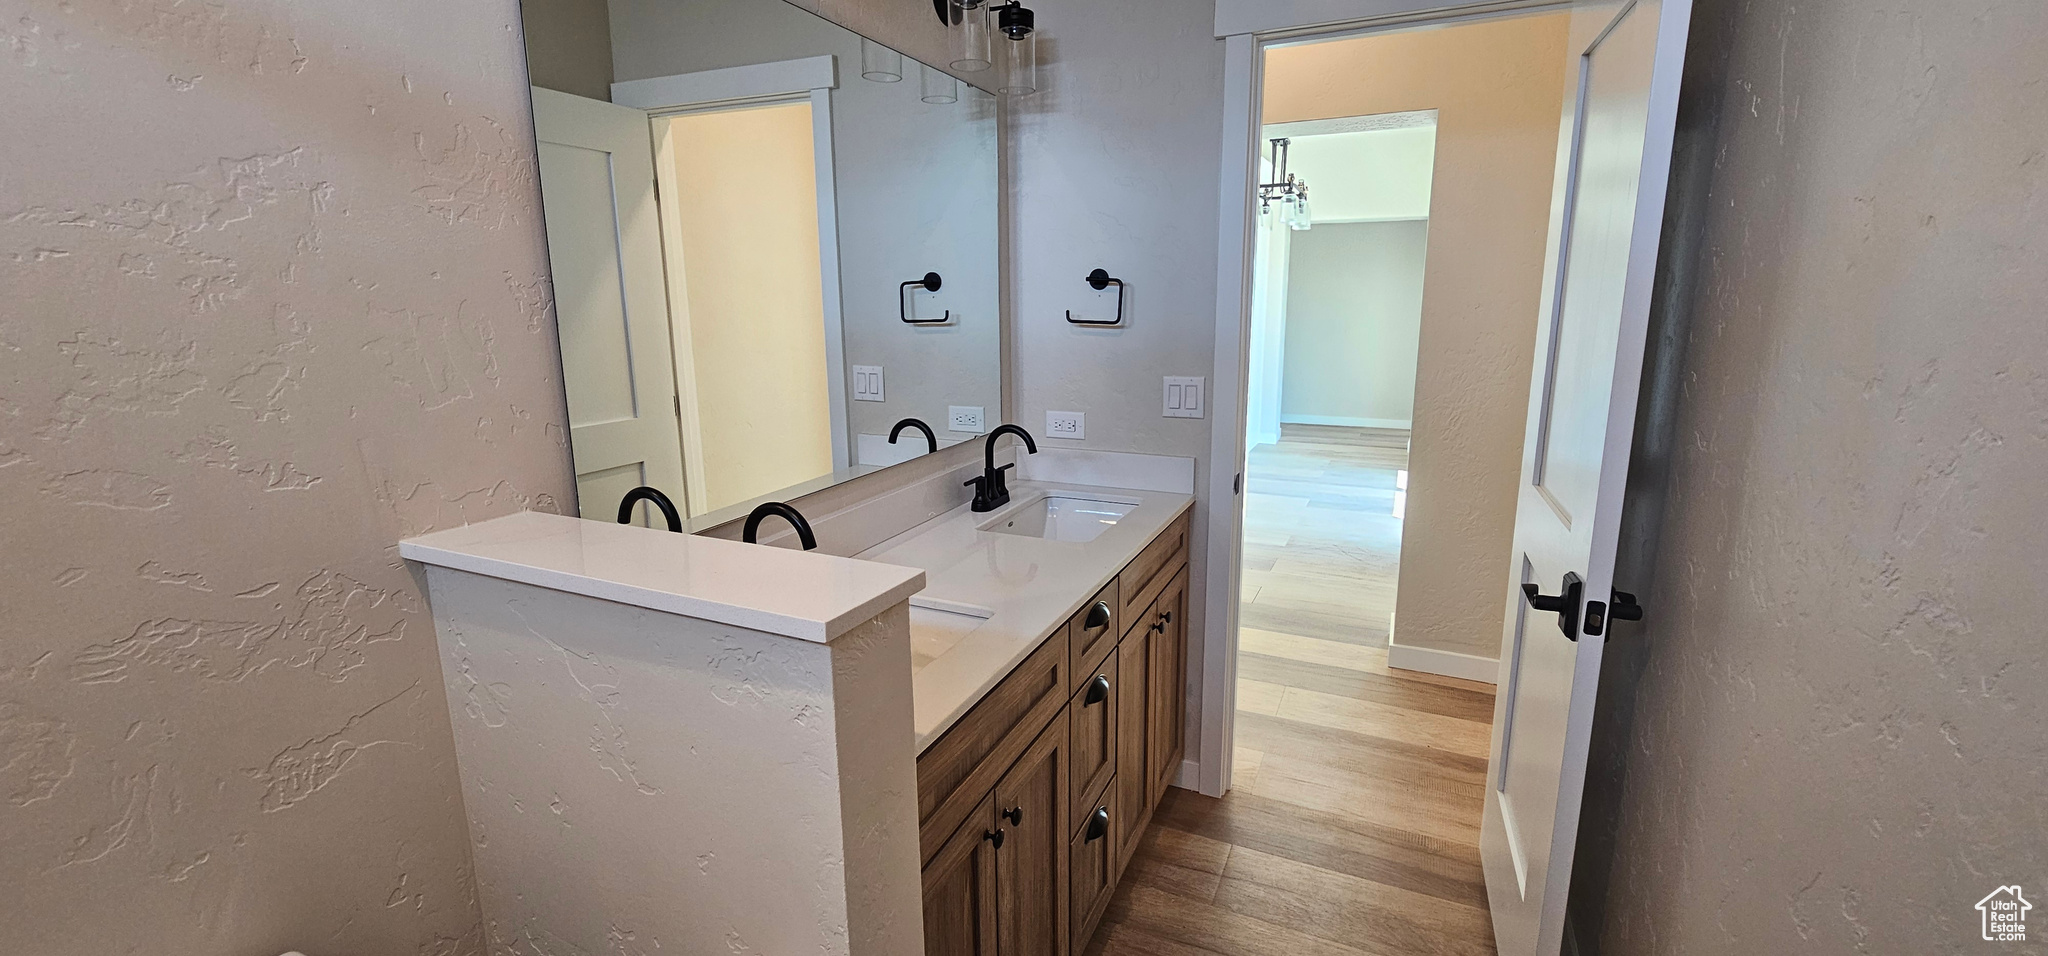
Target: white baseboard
(1402,424)
(1429,660)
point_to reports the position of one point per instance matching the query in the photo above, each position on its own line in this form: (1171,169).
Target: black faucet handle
(1001,489)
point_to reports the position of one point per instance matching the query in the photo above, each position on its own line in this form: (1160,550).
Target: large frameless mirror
(771,240)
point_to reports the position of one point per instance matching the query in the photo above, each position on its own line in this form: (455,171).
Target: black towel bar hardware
(930,283)
(1099,280)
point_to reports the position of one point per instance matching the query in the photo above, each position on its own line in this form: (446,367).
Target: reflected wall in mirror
(771,240)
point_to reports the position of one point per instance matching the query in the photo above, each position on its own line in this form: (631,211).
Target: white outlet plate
(1069,425)
(1184,396)
(867,383)
(965,418)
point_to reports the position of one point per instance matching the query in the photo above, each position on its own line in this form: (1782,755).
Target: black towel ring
(930,283)
(1100,280)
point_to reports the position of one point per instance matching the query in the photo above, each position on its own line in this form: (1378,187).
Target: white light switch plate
(867,383)
(1069,425)
(1184,397)
(964,418)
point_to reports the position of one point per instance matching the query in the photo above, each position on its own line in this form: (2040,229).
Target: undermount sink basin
(1061,518)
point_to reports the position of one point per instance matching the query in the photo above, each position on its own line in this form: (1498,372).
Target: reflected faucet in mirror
(931,440)
(785,511)
(659,500)
(991,491)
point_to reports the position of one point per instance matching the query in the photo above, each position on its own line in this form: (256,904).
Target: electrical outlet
(1183,397)
(1069,425)
(867,383)
(964,418)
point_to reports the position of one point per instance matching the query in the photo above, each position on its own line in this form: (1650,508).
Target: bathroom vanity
(957,733)
(1032,794)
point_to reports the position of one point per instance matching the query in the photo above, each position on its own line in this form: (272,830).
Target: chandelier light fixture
(1286,192)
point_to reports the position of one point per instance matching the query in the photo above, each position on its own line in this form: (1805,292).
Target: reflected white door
(604,248)
(1614,157)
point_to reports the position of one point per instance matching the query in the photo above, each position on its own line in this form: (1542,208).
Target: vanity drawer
(1147,574)
(958,769)
(1092,865)
(1091,725)
(1093,631)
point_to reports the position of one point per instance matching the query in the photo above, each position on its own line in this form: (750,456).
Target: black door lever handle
(1625,609)
(1564,605)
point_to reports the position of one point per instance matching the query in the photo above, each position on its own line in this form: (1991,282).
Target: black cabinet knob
(994,837)
(1098,824)
(1015,816)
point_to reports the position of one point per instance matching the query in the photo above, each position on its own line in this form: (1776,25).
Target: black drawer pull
(1098,690)
(1098,824)
(1098,617)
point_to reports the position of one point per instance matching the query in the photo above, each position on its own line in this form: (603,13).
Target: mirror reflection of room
(772,242)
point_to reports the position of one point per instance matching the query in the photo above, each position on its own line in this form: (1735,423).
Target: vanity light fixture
(1020,54)
(1290,193)
(879,63)
(968,21)
(936,87)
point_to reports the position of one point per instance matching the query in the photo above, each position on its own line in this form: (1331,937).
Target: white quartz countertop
(1028,586)
(808,596)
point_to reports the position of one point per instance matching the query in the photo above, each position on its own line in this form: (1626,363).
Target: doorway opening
(740,233)
(1391,327)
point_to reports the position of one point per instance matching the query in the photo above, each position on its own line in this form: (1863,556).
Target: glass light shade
(936,87)
(1020,65)
(1298,220)
(971,52)
(879,63)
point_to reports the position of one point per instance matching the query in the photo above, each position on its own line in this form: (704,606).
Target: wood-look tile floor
(1352,825)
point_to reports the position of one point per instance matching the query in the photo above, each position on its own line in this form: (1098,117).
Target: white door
(1614,157)
(611,306)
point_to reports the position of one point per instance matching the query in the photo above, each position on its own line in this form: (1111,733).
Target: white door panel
(1607,209)
(611,306)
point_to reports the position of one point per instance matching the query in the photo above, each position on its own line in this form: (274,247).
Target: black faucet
(795,518)
(668,508)
(990,489)
(929,438)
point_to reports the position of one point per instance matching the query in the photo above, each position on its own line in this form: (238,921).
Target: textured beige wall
(275,298)
(1498,87)
(1828,736)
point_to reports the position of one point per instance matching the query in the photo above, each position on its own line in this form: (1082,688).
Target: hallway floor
(1352,825)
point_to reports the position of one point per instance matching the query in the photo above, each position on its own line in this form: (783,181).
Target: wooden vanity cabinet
(1031,859)
(1030,805)
(960,889)
(1166,688)
(1133,773)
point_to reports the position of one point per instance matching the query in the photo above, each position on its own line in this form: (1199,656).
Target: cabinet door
(1133,772)
(1093,859)
(1092,762)
(1166,692)
(1031,861)
(960,890)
